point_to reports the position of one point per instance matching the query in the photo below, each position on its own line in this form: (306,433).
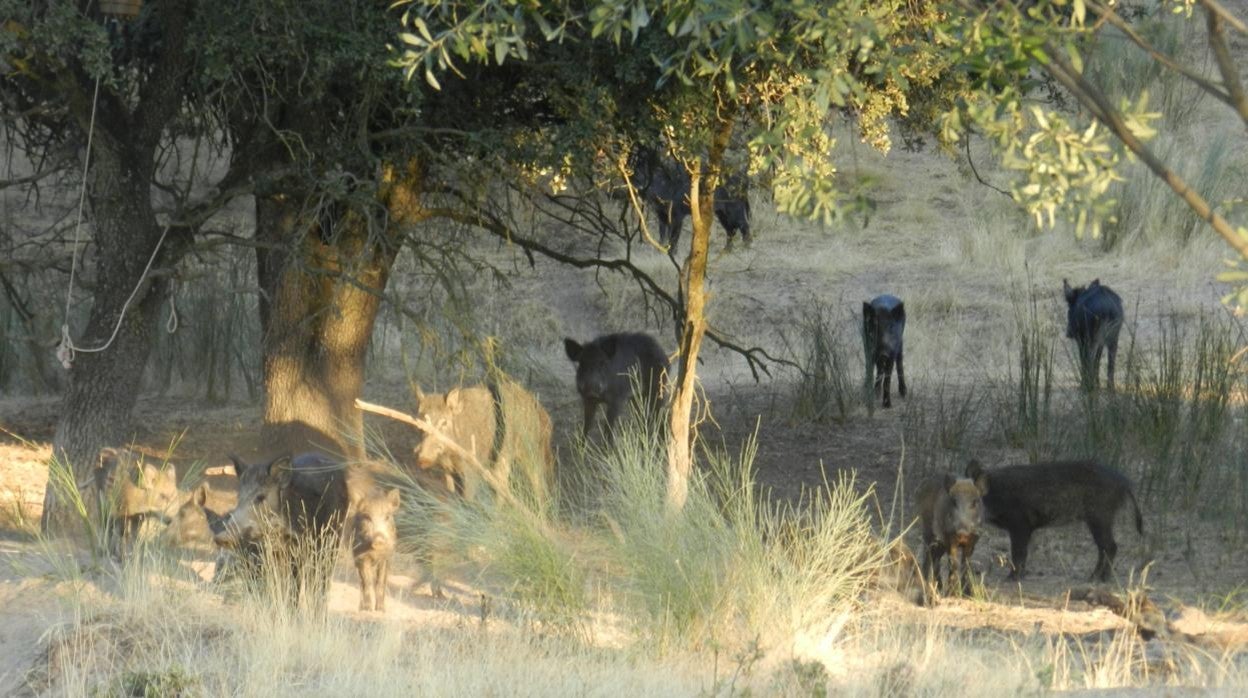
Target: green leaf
(419,23)
(412,39)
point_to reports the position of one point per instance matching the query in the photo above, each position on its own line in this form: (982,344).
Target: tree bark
(320,293)
(693,287)
(104,385)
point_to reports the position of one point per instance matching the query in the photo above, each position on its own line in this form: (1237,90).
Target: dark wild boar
(665,186)
(297,505)
(1023,498)
(1093,320)
(883,328)
(373,539)
(951,512)
(131,489)
(605,371)
(501,424)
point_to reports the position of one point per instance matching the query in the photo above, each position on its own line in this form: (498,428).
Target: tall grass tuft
(827,390)
(941,434)
(1026,416)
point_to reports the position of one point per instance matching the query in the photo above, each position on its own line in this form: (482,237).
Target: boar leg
(590,409)
(964,565)
(901,376)
(888,380)
(615,408)
(1096,365)
(1113,355)
(1020,538)
(368,581)
(1106,549)
(383,572)
(931,563)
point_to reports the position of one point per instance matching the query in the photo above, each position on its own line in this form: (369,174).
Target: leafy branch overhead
(788,68)
(1013,72)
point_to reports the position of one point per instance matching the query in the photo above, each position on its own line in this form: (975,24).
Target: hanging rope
(66,350)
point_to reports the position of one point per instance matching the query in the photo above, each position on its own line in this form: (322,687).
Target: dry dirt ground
(961,257)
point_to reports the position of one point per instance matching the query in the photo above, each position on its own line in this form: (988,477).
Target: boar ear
(899,313)
(974,468)
(1096,283)
(392,498)
(981,483)
(239,466)
(1068,292)
(200,495)
(354,497)
(418,394)
(279,471)
(573,349)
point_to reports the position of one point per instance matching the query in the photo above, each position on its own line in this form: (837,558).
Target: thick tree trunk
(320,292)
(693,289)
(104,385)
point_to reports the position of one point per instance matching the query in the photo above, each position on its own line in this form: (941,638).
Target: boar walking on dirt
(295,505)
(606,370)
(373,539)
(503,427)
(1023,498)
(883,329)
(131,489)
(1093,320)
(951,512)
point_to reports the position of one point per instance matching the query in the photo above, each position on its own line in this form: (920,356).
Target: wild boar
(951,512)
(1093,320)
(605,371)
(664,185)
(130,489)
(883,328)
(297,506)
(193,522)
(373,539)
(500,423)
(1023,498)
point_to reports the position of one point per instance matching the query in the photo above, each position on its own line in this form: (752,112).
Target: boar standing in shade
(1093,320)
(373,538)
(500,423)
(131,489)
(883,326)
(297,505)
(606,369)
(665,185)
(1023,498)
(951,512)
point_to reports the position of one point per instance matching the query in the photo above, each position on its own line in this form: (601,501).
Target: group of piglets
(289,497)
